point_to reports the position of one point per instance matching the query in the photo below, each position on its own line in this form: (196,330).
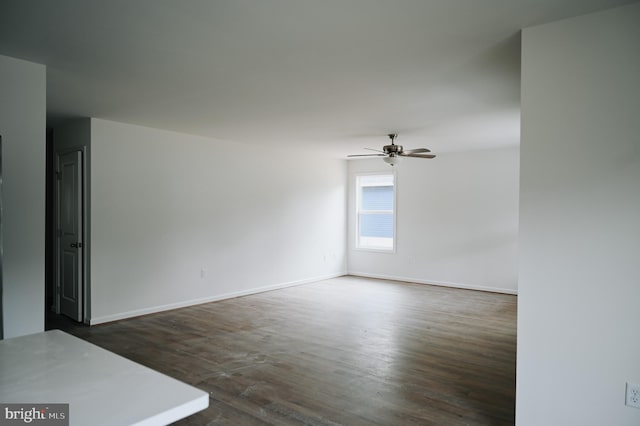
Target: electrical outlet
(203,273)
(633,395)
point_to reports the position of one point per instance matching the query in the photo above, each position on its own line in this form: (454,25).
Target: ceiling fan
(392,153)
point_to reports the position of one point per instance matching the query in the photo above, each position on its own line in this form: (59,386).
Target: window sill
(375,250)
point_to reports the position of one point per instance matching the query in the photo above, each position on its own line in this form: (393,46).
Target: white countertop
(101,387)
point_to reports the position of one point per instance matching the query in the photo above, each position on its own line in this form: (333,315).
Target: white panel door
(70,241)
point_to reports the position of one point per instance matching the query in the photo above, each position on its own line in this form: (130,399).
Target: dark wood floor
(347,351)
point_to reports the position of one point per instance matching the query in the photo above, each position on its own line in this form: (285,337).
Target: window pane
(377,198)
(376,225)
(375,212)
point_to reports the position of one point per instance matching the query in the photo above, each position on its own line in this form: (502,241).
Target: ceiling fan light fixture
(391,159)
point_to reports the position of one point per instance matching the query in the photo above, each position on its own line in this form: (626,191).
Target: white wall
(457,221)
(579,290)
(22,126)
(166,205)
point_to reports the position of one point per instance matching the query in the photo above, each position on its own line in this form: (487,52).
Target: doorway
(66,235)
(70,235)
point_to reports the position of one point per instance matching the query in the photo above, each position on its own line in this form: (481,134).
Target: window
(375,206)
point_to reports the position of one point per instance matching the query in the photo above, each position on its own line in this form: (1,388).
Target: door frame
(85,234)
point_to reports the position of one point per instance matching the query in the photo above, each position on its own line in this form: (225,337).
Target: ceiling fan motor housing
(392,149)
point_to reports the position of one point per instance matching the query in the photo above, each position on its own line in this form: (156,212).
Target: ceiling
(336,75)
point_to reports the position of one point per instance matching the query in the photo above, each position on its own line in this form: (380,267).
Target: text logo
(34,414)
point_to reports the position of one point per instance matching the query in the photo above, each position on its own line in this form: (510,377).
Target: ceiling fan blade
(376,150)
(367,155)
(415,151)
(418,155)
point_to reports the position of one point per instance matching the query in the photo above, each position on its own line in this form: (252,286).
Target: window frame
(394,212)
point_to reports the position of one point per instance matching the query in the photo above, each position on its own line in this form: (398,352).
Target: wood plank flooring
(346,351)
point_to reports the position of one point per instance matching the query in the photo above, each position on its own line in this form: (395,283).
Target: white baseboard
(438,283)
(215,298)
